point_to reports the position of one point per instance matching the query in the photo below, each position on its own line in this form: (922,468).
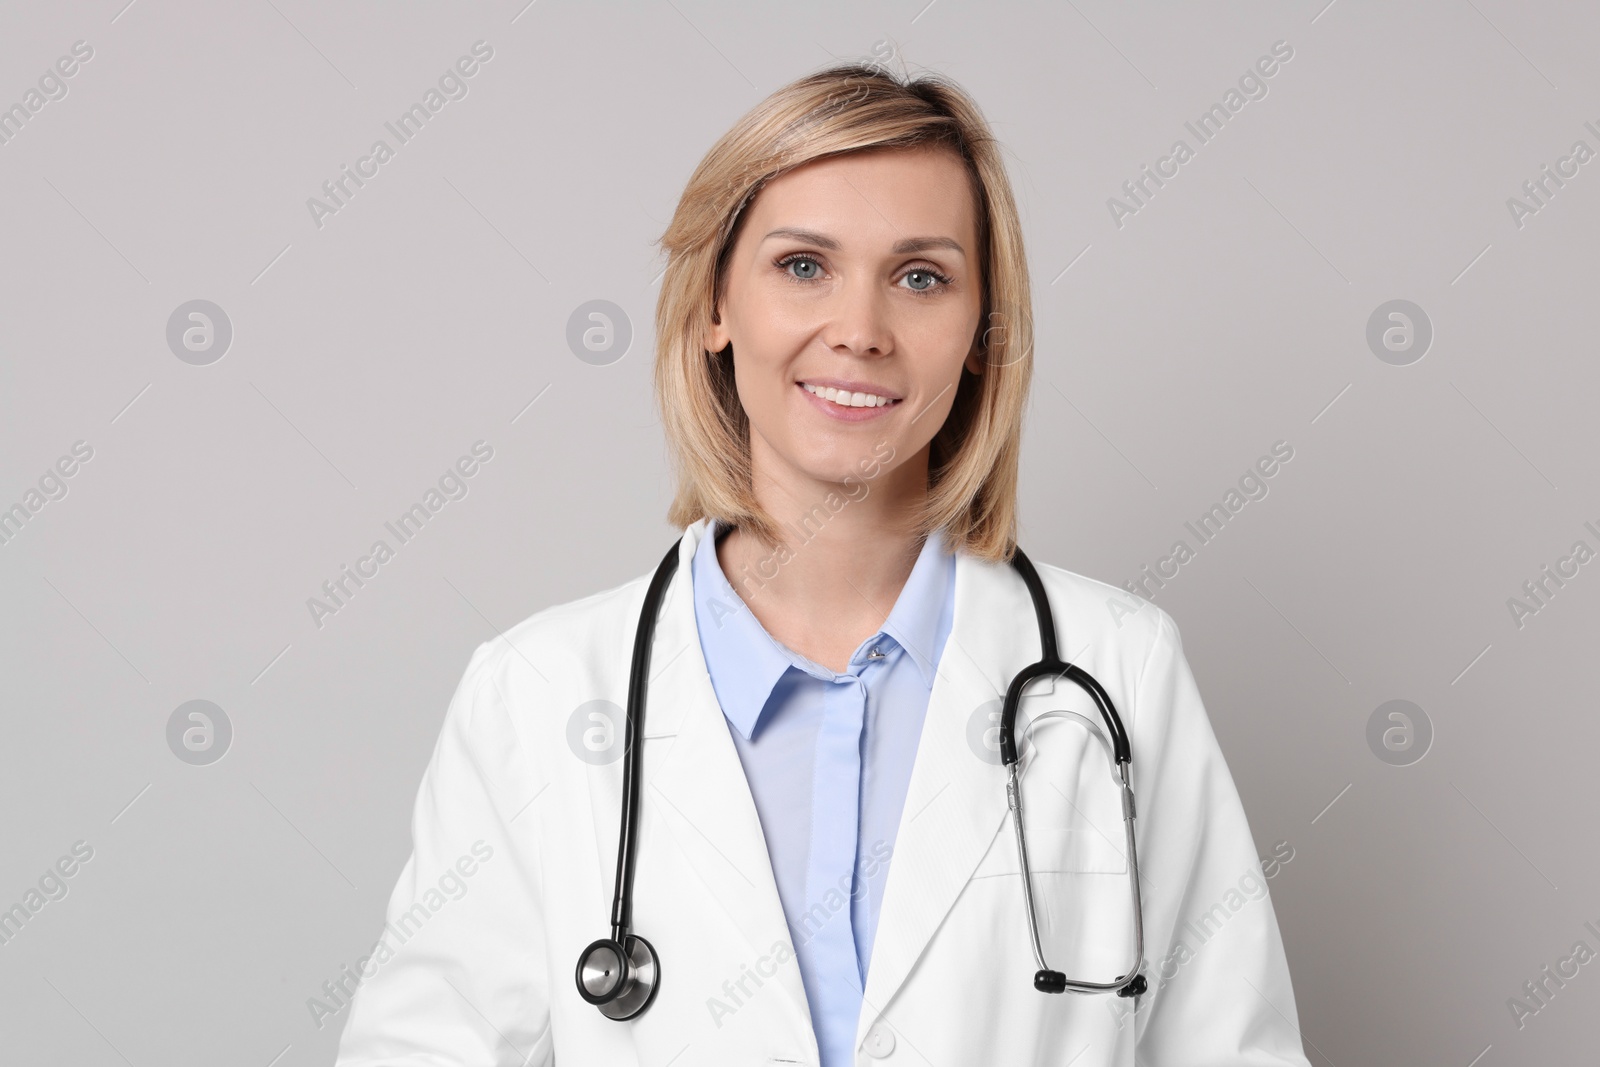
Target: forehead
(873,197)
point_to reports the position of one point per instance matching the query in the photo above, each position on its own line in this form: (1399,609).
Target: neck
(845,553)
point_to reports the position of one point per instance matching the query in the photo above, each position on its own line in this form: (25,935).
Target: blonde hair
(845,109)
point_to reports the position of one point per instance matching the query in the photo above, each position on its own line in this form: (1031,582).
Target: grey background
(369,354)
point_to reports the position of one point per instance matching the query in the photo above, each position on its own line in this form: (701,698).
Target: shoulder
(1098,613)
(1134,649)
(559,641)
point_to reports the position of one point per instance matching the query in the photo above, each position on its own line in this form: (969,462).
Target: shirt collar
(921,615)
(745,662)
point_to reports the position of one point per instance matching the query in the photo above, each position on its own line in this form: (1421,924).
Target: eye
(923,280)
(809,268)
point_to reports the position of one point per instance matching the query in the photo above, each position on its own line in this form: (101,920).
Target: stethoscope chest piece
(619,979)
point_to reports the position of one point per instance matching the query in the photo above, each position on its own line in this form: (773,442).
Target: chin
(853,468)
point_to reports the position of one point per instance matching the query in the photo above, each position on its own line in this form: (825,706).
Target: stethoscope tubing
(1050,664)
(625,967)
(633,738)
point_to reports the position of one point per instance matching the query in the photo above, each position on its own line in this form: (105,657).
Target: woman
(826,868)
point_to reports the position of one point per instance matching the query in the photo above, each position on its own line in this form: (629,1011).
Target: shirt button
(879,1042)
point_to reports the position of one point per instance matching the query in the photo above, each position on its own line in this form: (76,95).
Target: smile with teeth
(849,400)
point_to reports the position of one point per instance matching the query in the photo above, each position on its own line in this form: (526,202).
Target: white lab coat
(478,968)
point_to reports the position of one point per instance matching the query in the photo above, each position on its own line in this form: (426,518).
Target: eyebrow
(904,247)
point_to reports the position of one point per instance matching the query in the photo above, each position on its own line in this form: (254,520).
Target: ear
(975,359)
(716,336)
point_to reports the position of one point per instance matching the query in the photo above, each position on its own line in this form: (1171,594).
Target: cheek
(761,326)
(941,354)
(942,341)
(762,388)
(766,343)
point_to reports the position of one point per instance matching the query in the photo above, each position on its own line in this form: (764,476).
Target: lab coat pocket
(1072,805)
(1082,900)
(1077,843)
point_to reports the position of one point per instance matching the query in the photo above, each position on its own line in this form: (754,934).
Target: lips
(849,401)
(850,392)
(848,398)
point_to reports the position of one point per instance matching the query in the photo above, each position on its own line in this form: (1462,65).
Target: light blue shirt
(828,757)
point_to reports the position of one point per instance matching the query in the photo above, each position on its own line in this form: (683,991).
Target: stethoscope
(620,974)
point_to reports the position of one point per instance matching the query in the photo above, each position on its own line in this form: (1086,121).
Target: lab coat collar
(955,800)
(747,662)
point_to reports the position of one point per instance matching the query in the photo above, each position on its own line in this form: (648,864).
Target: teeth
(849,400)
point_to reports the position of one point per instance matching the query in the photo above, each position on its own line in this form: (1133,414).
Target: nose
(858,321)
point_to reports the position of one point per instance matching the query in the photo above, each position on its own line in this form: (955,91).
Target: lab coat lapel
(955,801)
(700,784)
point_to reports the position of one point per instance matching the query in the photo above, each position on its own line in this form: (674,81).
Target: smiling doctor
(761,805)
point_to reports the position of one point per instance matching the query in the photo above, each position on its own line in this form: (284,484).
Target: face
(852,299)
